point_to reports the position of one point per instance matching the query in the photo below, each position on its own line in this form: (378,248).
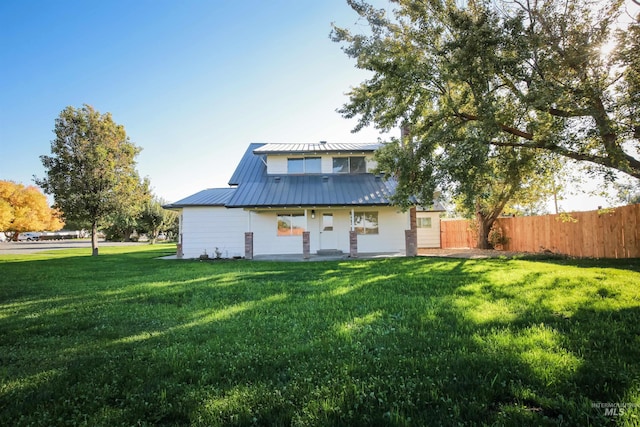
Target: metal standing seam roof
(209,197)
(256,189)
(251,167)
(313,190)
(322,147)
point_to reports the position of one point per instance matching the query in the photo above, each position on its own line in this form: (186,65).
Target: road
(15,248)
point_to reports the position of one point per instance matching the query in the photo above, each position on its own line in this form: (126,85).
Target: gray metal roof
(436,206)
(209,197)
(313,190)
(251,166)
(321,147)
(256,189)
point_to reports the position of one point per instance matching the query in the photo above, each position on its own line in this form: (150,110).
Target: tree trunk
(484,227)
(94,238)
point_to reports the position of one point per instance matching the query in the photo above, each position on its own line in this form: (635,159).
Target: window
(365,222)
(349,165)
(340,165)
(312,165)
(290,224)
(357,165)
(295,165)
(327,222)
(423,222)
(301,165)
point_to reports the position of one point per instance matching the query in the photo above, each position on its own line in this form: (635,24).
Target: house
(303,199)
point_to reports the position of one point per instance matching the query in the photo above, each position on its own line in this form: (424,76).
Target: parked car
(28,236)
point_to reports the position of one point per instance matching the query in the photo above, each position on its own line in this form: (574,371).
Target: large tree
(525,74)
(91,170)
(481,179)
(25,208)
(154,219)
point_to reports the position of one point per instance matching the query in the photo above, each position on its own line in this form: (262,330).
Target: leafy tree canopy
(91,170)
(523,74)
(154,219)
(25,208)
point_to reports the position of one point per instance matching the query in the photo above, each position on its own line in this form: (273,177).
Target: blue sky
(193,82)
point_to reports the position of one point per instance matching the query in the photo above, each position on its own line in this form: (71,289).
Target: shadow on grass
(128,339)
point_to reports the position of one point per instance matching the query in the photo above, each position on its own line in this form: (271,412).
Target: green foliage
(91,171)
(154,219)
(448,73)
(129,339)
(517,74)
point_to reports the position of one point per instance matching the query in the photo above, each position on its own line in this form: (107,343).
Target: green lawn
(128,339)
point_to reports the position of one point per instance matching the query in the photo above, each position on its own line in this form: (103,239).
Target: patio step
(329,252)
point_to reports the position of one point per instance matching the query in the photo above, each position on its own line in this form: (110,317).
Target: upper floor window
(304,165)
(349,164)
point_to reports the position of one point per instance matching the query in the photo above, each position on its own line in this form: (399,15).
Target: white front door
(328,237)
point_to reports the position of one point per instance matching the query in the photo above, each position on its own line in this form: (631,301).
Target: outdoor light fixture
(313,214)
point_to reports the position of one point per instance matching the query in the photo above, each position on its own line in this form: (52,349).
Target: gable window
(290,224)
(301,165)
(312,165)
(295,165)
(423,222)
(365,222)
(349,164)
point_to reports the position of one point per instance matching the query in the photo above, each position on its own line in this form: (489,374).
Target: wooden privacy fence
(457,233)
(609,233)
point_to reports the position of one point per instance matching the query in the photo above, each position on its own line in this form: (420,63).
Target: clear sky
(193,82)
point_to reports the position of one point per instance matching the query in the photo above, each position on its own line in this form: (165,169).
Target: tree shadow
(370,342)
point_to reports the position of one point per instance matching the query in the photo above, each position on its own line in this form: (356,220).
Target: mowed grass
(129,339)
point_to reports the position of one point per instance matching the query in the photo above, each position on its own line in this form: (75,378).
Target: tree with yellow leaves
(25,208)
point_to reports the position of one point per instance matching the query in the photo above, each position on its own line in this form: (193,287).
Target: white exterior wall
(266,241)
(391,226)
(429,237)
(205,228)
(277,164)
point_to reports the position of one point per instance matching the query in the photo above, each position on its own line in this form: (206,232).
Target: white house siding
(205,228)
(391,227)
(429,237)
(266,241)
(277,164)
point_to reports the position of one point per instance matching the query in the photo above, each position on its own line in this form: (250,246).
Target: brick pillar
(411,242)
(179,252)
(413,224)
(353,244)
(306,244)
(248,245)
